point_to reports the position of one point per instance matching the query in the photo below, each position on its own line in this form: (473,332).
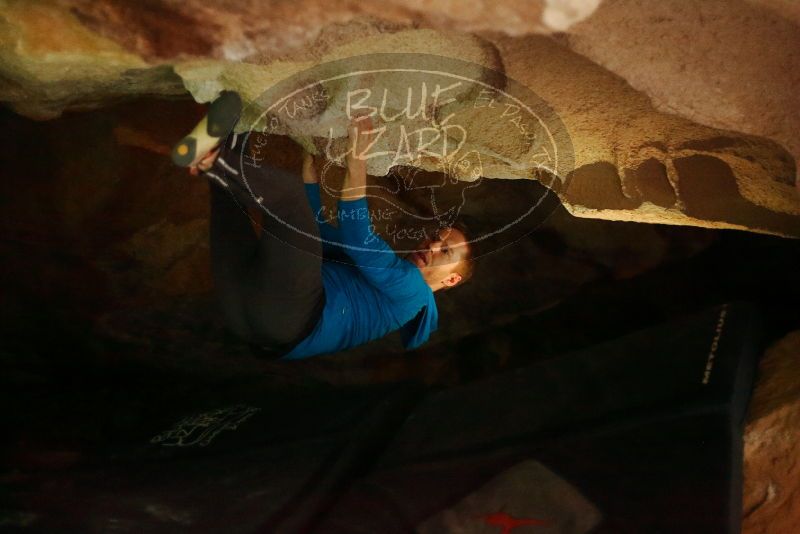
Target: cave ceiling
(677,112)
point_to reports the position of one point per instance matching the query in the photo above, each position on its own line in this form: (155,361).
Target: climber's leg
(233,244)
(271,286)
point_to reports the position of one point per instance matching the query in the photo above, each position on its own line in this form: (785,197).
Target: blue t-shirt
(379,294)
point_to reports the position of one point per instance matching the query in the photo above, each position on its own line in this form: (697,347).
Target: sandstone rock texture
(50,62)
(731,65)
(680,113)
(772,443)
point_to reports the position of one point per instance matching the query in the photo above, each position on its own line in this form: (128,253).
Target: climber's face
(440,258)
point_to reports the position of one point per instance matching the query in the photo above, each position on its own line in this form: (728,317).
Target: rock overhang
(631,160)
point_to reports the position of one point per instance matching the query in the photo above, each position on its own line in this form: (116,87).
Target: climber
(285,292)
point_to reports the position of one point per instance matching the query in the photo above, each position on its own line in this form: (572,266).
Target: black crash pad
(640,434)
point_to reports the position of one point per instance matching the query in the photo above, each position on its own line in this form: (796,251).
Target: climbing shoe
(222,116)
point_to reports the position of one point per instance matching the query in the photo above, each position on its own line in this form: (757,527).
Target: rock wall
(731,65)
(671,152)
(772,443)
(50,62)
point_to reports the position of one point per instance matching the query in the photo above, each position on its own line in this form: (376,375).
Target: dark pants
(269,286)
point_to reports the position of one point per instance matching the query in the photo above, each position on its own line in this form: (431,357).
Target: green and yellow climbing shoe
(222,116)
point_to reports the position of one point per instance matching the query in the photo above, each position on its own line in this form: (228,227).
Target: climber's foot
(222,116)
